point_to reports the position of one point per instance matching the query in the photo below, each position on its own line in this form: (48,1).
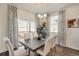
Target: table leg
(29,52)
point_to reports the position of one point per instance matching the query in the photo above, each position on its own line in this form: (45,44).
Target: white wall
(72,33)
(3,26)
(22,14)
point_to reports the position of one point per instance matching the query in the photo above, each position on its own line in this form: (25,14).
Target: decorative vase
(39,38)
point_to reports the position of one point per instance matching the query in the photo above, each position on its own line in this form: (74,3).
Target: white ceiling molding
(42,7)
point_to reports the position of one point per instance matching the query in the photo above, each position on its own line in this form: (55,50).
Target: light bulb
(39,15)
(45,15)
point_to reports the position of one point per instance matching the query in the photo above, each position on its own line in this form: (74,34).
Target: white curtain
(61,28)
(36,22)
(12,25)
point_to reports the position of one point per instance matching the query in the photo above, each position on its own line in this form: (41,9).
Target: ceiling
(41,7)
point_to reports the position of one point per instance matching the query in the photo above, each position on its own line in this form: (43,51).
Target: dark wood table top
(33,44)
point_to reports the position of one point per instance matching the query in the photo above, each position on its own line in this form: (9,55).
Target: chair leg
(55,50)
(29,52)
(25,48)
(51,52)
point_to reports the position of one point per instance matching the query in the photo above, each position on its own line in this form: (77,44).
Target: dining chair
(27,36)
(53,47)
(46,49)
(35,34)
(19,52)
(30,35)
(21,34)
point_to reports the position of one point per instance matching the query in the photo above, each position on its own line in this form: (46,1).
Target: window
(26,25)
(54,23)
(32,26)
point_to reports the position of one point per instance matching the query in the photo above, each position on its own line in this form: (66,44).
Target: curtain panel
(13,25)
(61,29)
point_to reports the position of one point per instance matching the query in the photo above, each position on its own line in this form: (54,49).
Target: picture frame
(73,23)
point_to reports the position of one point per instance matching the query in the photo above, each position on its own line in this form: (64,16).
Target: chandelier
(42,15)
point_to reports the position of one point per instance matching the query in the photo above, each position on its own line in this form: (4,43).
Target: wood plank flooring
(64,51)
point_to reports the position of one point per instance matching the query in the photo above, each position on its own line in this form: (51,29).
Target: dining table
(33,44)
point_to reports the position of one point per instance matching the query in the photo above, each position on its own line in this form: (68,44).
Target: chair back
(48,45)
(54,41)
(9,46)
(35,34)
(27,36)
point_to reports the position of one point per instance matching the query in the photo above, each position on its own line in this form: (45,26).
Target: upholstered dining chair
(35,34)
(46,49)
(54,42)
(20,52)
(26,35)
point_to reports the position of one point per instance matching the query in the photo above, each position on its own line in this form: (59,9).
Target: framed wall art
(73,23)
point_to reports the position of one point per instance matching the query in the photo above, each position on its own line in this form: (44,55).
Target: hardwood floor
(60,51)
(64,51)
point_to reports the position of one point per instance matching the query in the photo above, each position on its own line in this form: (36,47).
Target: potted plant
(42,31)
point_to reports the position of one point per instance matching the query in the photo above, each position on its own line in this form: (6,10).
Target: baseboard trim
(6,53)
(72,49)
(68,48)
